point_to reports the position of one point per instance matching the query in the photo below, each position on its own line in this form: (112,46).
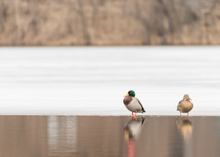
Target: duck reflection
(132,131)
(184,125)
(133,128)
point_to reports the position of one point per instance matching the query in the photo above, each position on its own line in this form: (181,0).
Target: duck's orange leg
(133,116)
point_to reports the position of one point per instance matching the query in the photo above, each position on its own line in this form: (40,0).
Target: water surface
(96,136)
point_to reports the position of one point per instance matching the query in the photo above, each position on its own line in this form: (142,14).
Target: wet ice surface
(92,136)
(94,80)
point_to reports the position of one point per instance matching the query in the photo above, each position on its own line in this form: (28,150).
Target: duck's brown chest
(127,100)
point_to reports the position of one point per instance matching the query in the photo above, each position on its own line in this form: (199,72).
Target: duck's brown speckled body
(185,105)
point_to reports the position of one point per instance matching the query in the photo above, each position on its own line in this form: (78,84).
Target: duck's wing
(142,108)
(179,104)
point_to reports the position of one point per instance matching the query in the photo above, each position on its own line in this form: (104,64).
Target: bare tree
(161,18)
(84,23)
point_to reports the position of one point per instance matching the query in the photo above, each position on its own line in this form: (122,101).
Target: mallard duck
(185,105)
(133,104)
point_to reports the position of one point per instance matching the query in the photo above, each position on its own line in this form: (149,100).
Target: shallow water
(96,136)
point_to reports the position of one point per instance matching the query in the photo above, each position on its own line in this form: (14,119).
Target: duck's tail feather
(142,108)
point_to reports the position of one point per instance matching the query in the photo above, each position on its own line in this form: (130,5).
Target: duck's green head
(131,93)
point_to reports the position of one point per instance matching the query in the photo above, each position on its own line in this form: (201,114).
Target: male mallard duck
(185,105)
(133,104)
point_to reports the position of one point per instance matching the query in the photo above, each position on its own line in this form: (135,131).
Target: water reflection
(62,135)
(184,125)
(97,136)
(133,128)
(131,132)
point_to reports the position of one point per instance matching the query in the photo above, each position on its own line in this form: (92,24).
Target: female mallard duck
(185,105)
(133,104)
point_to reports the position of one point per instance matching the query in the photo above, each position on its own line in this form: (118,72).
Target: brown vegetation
(109,22)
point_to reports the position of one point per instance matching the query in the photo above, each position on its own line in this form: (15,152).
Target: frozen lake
(86,81)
